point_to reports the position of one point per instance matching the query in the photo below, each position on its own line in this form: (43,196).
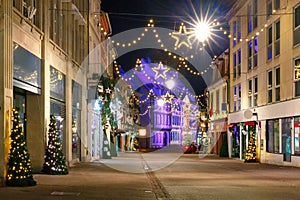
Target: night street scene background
(186,99)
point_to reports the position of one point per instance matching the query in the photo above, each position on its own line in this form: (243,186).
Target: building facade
(217,103)
(264,89)
(44,68)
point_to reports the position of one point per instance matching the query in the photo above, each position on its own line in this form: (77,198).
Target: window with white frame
(252,53)
(269,8)
(252,16)
(237,94)
(235,88)
(270,43)
(255,94)
(276,4)
(234,65)
(237,34)
(273,40)
(277,38)
(252,92)
(297,77)
(239,62)
(270,87)
(297,25)
(218,101)
(277,84)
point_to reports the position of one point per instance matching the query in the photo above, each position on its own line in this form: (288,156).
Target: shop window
(76,120)
(58,109)
(27,68)
(286,136)
(297,77)
(272,136)
(57,84)
(297,135)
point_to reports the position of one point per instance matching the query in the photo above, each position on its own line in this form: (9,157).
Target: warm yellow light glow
(142,132)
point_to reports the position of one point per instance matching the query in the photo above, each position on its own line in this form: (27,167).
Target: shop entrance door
(20,105)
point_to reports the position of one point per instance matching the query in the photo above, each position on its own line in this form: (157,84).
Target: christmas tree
(251,152)
(55,161)
(19,165)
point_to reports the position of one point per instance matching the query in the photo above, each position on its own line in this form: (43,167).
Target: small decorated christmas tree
(251,152)
(19,171)
(55,161)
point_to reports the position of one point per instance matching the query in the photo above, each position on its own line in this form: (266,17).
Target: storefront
(58,102)
(217,131)
(76,120)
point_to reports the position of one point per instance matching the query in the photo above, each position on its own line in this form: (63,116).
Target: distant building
(165,114)
(217,103)
(264,80)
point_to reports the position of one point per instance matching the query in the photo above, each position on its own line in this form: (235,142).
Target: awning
(251,123)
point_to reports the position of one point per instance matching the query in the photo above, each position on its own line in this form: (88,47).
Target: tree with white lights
(55,161)
(19,171)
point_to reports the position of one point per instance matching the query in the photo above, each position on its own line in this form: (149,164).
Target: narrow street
(189,177)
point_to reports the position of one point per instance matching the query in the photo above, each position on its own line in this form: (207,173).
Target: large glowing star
(160,71)
(182,37)
(168,97)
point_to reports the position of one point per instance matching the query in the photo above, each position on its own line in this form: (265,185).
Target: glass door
(20,105)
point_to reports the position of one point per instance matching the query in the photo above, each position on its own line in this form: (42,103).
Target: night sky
(130,14)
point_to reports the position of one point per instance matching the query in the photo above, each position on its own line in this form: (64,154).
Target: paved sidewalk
(89,180)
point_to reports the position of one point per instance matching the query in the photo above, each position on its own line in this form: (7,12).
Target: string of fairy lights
(183,60)
(176,35)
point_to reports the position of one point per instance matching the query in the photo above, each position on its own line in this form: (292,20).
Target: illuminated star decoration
(160,71)
(108,90)
(101,98)
(182,37)
(168,98)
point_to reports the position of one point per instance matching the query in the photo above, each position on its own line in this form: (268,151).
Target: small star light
(108,90)
(168,98)
(160,71)
(182,37)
